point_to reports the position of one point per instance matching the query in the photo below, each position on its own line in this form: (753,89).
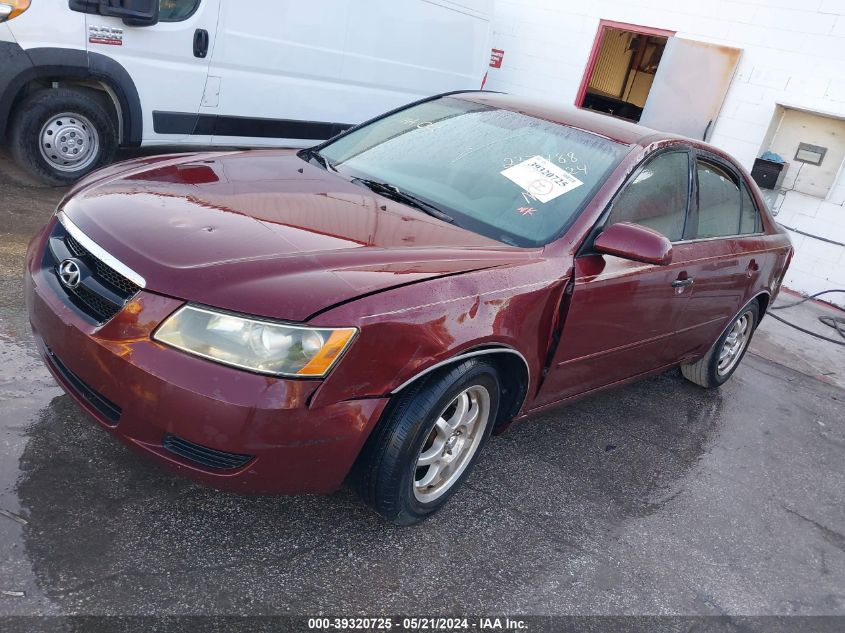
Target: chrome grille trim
(100,253)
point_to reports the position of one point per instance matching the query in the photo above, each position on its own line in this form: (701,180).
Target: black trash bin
(766,173)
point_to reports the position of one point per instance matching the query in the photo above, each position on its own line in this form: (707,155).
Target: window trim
(197,4)
(600,225)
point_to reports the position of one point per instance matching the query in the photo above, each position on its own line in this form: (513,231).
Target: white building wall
(793,54)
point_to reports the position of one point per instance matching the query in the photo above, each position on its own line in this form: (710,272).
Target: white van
(78,78)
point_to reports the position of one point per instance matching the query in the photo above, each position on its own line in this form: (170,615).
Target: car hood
(266,233)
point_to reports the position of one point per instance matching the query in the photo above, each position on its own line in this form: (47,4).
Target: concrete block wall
(793,54)
(817,265)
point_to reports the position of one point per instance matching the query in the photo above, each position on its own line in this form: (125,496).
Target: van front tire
(60,135)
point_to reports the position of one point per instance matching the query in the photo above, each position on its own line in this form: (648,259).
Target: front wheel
(59,135)
(724,356)
(428,441)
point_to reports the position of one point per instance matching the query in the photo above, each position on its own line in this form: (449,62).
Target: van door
(167,61)
(279,68)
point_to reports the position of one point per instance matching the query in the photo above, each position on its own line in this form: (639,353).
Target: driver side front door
(168,62)
(623,315)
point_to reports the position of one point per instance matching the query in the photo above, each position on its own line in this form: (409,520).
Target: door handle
(753,267)
(680,283)
(200,43)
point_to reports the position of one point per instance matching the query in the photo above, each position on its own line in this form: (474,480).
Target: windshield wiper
(394,193)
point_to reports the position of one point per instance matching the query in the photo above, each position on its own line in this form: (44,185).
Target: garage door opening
(621,70)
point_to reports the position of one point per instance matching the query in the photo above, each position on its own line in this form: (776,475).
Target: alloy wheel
(449,448)
(735,343)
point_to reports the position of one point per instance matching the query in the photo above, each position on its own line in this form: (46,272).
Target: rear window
(749,221)
(506,175)
(718,202)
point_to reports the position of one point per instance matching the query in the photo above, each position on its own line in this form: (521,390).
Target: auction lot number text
(416,624)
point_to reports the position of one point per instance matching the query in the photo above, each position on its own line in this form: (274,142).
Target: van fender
(24,66)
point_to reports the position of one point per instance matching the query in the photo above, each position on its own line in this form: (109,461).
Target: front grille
(102,292)
(105,407)
(203,455)
(103,271)
(100,308)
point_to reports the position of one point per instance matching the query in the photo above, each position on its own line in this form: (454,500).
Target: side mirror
(635,242)
(133,12)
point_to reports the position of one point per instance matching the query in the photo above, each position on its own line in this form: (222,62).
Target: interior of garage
(624,72)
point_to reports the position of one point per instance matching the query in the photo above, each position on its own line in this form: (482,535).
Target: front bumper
(233,429)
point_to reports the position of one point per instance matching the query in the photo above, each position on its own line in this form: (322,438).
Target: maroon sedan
(375,307)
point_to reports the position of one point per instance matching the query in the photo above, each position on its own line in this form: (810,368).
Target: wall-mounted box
(768,174)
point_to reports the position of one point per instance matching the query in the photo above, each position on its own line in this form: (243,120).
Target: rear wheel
(724,356)
(428,441)
(61,135)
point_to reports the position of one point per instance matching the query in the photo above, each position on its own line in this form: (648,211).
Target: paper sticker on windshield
(541,178)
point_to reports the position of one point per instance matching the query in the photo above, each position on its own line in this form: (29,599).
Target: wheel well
(97,90)
(763,300)
(513,374)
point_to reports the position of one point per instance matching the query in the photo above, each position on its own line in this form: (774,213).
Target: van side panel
(437,47)
(339,65)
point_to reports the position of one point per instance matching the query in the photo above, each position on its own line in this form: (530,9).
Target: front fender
(407,330)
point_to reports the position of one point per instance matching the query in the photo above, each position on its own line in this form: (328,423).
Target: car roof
(604,125)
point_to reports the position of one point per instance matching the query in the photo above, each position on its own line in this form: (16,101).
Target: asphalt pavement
(657,498)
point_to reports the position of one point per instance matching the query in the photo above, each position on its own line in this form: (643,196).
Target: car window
(719,202)
(749,221)
(658,196)
(506,175)
(176,10)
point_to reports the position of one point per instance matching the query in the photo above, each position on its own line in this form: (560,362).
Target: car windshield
(505,175)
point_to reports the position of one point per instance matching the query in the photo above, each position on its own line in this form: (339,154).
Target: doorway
(621,69)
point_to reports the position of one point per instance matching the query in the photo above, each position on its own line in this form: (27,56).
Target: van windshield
(505,175)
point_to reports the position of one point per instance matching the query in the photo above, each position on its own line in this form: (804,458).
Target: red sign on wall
(496,56)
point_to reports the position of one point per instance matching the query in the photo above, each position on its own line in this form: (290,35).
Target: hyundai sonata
(371,309)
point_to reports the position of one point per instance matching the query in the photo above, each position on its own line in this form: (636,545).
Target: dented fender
(445,317)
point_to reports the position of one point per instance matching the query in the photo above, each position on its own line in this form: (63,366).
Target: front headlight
(255,344)
(12,8)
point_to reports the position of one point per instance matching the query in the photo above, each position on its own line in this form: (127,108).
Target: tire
(48,114)
(710,372)
(387,475)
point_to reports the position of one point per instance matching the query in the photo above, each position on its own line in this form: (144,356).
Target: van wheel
(721,360)
(427,442)
(61,135)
